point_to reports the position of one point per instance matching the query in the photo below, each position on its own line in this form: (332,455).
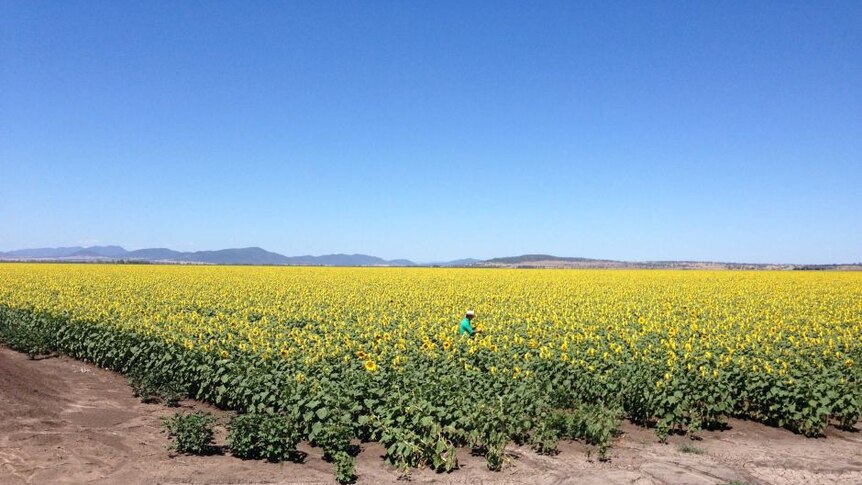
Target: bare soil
(65,422)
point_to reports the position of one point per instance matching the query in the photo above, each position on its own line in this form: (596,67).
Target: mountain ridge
(259,256)
(236,256)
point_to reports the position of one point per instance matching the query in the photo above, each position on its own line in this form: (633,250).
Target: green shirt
(466,327)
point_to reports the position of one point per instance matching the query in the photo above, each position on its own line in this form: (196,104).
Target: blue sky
(436,130)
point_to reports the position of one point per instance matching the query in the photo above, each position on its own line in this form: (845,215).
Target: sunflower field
(355,354)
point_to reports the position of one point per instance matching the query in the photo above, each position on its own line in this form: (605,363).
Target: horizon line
(417,261)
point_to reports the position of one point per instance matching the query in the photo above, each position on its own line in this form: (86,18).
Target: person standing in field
(466,326)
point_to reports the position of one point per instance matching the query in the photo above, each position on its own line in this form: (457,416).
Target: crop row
(373,354)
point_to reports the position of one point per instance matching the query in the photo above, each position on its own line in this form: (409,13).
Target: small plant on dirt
(272,437)
(595,425)
(496,457)
(345,467)
(190,433)
(547,435)
(685,448)
(662,431)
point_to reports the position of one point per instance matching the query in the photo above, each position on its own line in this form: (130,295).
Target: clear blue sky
(436,130)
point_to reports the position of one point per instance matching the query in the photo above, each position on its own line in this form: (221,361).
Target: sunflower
(370,366)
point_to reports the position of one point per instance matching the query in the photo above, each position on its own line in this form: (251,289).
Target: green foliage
(272,437)
(154,387)
(434,403)
(545,439)
(662,431)
(33,334)
(190,433)
(495,455)
(345,466)
(592,424)
(410,430)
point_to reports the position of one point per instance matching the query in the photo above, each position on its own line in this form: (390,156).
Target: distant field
(373,354)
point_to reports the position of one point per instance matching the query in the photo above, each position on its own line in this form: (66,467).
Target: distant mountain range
(532,258)
(258,256)
(548,261)
(250,256)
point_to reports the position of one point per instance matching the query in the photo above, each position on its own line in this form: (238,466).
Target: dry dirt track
(64,422)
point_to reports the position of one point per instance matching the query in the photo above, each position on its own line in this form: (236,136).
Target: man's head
(470,314)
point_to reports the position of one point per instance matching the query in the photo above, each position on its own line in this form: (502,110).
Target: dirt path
(64,422)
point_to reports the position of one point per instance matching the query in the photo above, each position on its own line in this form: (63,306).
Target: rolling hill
(244,256)
(260,256)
